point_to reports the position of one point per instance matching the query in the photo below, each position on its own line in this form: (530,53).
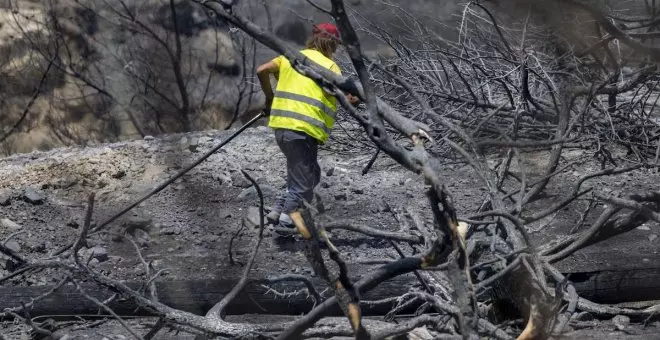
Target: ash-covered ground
(187,227)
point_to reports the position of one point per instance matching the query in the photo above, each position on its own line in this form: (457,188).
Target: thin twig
(218,310)
(108,310)
(369,231)
(231,242)
(82,237)
(155,329)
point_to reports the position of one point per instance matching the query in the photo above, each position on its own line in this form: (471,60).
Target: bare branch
(218,310)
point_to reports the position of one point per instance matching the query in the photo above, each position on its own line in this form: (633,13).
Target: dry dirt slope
(188,222)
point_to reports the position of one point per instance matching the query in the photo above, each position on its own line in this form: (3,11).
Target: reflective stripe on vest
(300,116)
(307,100)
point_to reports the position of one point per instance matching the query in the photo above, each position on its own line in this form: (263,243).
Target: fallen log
(614,286)
(195,296)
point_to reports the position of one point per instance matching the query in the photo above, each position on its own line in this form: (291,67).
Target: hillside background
(84,72)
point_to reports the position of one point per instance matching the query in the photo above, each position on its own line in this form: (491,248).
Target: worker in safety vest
(302,115)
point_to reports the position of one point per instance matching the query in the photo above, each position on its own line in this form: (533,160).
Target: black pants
(303,170)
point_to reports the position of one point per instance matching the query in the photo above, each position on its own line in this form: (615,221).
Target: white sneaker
(273,217)
(285,227)
(286,221)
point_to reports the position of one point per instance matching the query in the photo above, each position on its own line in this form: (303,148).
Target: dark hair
(323,44)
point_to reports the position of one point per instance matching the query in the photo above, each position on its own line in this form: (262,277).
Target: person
(302,115)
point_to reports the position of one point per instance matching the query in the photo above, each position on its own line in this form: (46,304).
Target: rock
(116,237)
(325,185)
(238,180)
(102,183)
(384,206)
(251,192)
(320,206)
(148,137)
(652,237)
(583,316)
(644,228)
(253,216)
(330,171)
(40,248)
(66,182)
(62,335)
(193,144)
(357,191)
(8,264)
(99,253)
(137,220)
(170,230)
(73,224)
(341,196)
(13,246)
(5,198)
(118,174)
(9,224)
(221,178)
(94,242)
(621,322)
(141,237)
(33,196)
(420,333)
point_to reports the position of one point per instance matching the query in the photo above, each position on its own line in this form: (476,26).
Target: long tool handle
(166,183)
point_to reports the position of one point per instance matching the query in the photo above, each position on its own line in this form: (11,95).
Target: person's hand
(353,99)
(267,105)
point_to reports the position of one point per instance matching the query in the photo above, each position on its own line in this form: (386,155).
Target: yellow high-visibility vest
(300,104)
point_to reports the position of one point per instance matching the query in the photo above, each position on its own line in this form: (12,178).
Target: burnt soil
(187,226)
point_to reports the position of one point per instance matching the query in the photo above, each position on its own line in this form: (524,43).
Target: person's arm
(354,100)
(263,72)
